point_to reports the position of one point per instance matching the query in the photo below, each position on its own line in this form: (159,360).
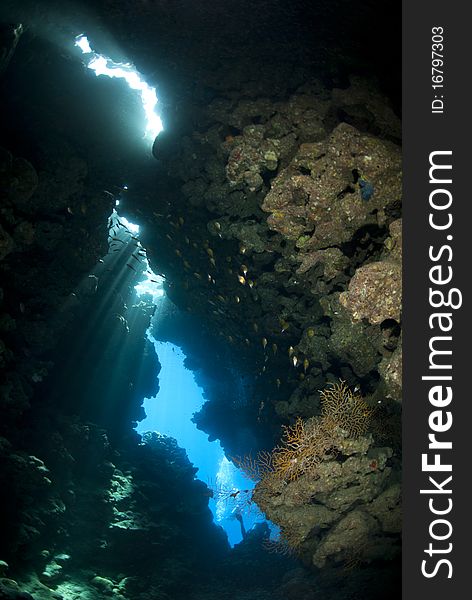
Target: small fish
(237,299)
(181,220)
(278,383)
(306,364)
(294,361)
(241,280)
(255,326)
(251,283)
(264,342)
(209,251)
(274,349)
(285,325)
(213,262)
(291,350)
(244,269)
(311,332)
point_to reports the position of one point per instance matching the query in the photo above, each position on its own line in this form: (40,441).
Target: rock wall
(285,244)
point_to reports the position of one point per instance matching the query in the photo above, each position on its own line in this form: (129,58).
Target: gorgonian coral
(305,444)
(303,447)
(346,408)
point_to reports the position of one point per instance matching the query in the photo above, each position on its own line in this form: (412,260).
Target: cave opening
(170,413)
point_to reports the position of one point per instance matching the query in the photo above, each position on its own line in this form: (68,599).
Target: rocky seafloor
(272,207)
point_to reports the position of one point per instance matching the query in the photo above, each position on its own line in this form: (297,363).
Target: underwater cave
(200,300)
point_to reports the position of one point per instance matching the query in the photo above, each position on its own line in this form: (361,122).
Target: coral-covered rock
(10,590)
(375,293)
(391,371)
(320,193)
(21,183)
(6,243)
(330,513)
(394,243)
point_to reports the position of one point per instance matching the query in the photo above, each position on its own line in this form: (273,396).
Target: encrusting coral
(326,486)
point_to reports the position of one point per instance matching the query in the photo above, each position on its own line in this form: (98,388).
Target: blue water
(170,413)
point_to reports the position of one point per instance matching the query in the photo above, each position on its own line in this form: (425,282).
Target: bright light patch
(130,226)
(225,480)
(152,287)
(82,42)
(102,65)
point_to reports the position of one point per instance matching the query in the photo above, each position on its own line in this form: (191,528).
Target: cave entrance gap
(170,413)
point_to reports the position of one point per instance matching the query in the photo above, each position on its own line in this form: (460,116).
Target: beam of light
(153,284)
(102,65)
